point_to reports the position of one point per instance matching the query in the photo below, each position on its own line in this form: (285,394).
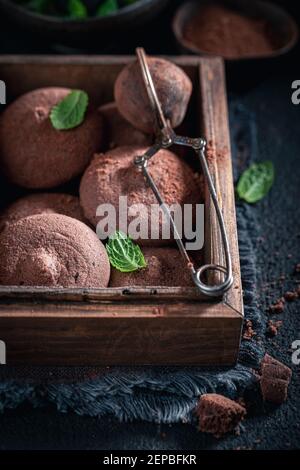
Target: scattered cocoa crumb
(275,379)
(218,414)
(273,327)
(291,296)
(248,331)
(278,306)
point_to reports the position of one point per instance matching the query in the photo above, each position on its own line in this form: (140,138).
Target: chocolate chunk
(218,414)
(274,390)
(275,379)
(285,371)
(276,372)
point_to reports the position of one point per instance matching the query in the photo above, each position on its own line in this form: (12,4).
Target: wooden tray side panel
(215,127)
(90,335)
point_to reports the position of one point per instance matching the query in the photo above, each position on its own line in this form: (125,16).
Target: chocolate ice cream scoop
(118,131)
(42,203)
(52,250)
(173,89)
(36,155)
(114,174)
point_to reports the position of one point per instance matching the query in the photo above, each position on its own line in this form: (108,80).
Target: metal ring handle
(212,291)
(228,281)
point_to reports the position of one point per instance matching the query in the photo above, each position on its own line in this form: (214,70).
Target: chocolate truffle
(120,132)
(42,203)
(218,414)
(114,174)
(36,155)
(165,267)
(173,89)
(52,250)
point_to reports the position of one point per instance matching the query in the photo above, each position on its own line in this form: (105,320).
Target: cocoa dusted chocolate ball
(120,132)
(52,250)
(165,267)
(114,174)
(173,87)
(42,203)
(36,155)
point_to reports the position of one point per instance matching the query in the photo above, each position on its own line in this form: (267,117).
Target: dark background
(270,428)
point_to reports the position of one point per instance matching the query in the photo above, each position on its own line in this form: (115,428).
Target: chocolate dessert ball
(52,250)
(114,174)
(36,155)
(120,132)
(42,203)
(173,89)
(165,267)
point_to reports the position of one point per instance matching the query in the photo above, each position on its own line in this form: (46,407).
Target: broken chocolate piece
(275,379)
(276,372)
(285,371)
(274,390)
(218,414)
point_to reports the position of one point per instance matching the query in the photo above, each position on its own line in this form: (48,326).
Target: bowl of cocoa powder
(234,30)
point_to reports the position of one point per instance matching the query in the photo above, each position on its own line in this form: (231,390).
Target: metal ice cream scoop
(165,137)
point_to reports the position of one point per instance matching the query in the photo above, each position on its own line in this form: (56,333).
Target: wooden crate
(43,326)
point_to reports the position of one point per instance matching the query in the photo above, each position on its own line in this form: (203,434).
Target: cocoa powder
(219,30)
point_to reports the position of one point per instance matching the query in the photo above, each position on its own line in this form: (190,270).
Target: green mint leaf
(124,254)
(107,7)
(70,111)
(256,182)
(77,9)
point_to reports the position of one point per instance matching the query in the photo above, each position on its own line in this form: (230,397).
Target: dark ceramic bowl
(86,32)
(247,71)
(283,26)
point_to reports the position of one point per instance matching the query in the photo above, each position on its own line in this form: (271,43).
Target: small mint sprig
(124,255)
(256,181)
(70,111)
